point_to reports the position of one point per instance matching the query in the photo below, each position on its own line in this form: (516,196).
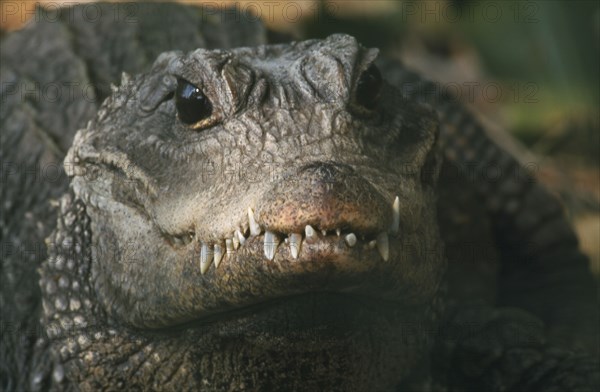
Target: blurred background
(529,67)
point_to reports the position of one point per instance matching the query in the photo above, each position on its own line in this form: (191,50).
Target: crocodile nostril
(327,196)
(326,171)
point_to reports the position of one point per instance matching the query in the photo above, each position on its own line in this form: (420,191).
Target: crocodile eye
(369,87)
(191,103)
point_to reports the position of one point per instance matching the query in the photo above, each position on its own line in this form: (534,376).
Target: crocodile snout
(326,196)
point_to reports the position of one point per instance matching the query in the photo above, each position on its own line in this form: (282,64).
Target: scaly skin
(127,301)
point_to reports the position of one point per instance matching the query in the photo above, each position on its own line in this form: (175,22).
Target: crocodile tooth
(350,239)
(125,78)
(295,243)
(395,217)
(338,232)
(218,251)
(254,227)
(206,258)
(270,244)
(310,233)
(324,232)
(235,240)
(372,244)
(229,245)
(240,237)
(383,246)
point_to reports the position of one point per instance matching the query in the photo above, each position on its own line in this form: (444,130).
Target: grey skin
(144,283)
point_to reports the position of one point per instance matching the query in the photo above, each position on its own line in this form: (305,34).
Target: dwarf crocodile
(239,215)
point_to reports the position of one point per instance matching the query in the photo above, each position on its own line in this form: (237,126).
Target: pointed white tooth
(206,258)
(310,233)
(218,251)
(372,244)
(383,246)
(338,232)
(395,216)
(350,239)
(254,227)
(295,243)
(324,232)
(229,245)
(240,237)
(270,245)
(235,240)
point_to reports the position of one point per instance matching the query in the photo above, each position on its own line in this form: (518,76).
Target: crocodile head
(249,218)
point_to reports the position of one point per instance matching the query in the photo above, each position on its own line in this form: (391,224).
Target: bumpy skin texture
(123,300)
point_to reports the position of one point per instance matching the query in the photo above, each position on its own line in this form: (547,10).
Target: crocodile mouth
(329,241)
(340,238)
(342,244)
(258,268)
